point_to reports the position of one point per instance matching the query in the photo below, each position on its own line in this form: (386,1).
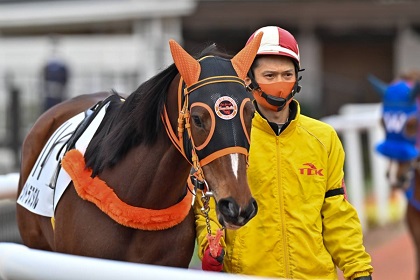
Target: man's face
(276,79)
(274,68)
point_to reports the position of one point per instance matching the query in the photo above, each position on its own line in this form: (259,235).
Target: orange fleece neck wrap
(96,191)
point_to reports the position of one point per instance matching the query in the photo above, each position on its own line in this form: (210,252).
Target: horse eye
(197,121)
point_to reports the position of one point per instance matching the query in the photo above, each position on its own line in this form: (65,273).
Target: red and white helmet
(277,41)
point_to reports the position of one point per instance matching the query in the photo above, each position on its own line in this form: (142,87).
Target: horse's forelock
(213,49)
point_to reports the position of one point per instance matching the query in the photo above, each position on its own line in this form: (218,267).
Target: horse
(401,120)
(127,196)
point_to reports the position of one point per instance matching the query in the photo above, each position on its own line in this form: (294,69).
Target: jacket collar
(261,122)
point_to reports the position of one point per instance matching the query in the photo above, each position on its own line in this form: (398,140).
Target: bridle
(230,108)
(199,156)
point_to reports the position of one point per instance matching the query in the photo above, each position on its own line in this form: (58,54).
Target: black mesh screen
(229,132)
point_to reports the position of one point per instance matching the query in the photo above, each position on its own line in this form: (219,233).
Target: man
(55,76)
(305,227)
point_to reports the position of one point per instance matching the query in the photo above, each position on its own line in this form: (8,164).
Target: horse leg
(413,221)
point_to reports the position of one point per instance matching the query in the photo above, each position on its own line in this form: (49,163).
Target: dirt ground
(392,252)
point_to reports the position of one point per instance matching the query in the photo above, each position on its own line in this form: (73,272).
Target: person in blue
(400,116)
(55,78)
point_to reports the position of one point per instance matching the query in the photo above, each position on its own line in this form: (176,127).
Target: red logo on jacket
(311,170)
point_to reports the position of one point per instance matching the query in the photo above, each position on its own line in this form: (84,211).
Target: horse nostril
(232,213)
(250,211)
(228,208)
(254,206)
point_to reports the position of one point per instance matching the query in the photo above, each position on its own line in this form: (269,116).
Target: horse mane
(135,121)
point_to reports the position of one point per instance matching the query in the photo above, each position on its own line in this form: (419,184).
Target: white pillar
(9,185)
(310,55)
(354,172)
(406,50)
(172,29)
(148,35)
(381,186)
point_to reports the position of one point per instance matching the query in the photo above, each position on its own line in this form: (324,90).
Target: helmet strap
(253,85)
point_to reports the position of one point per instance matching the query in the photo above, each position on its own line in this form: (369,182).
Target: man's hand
(210,263)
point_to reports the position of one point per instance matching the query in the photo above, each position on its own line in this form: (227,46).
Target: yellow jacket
(297,233)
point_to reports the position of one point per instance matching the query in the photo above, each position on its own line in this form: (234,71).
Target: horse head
(400,120)
(215,126)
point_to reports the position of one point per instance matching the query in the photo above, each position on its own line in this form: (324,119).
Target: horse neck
(155,174)
(150,176)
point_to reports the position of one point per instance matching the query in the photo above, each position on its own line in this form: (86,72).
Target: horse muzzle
(232,216)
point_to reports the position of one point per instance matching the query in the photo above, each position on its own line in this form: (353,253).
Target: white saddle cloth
(41,192)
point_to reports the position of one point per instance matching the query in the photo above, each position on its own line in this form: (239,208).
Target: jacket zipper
(283,228)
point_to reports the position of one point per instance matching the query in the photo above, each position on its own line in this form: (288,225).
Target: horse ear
(377,85)
(188,66)
(242,61)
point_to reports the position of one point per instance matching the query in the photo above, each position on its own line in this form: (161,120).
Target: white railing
(352,121)
(8,185)
(19,262)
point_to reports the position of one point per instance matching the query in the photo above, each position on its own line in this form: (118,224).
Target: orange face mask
(274,96)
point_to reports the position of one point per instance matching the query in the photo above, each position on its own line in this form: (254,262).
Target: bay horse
(401,120)
(127,197)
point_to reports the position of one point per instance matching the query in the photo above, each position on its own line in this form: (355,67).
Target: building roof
(30,14)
